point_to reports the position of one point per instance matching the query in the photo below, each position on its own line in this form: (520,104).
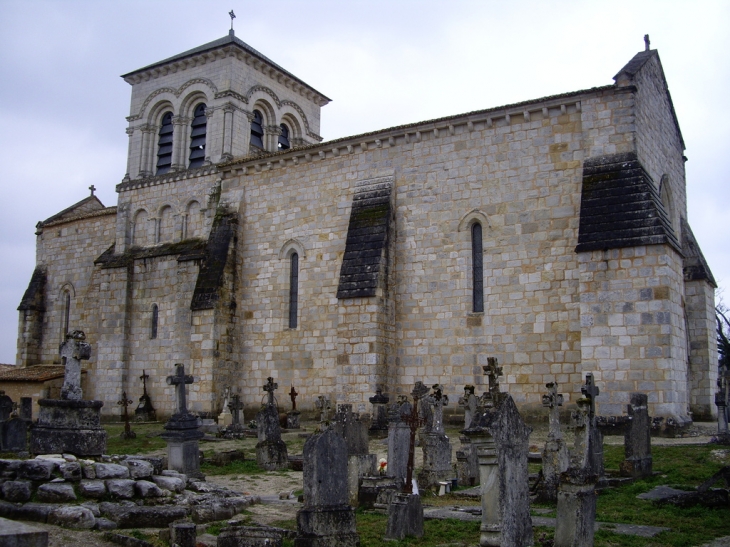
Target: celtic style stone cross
(552,401)
(293,396)
(590,391)
(73,351)
(414,421)
(270,387)
(179,380)
(236,406)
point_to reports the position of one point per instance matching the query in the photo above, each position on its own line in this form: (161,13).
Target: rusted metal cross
(414,421)
(124,403)
(293,396)
(144,378)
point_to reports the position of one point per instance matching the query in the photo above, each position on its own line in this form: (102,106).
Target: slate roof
(36,373)
(620,206)
(189,249)
(210,276)
(695,266)
(366,246)
(33,297)
(88,204)
(219,43)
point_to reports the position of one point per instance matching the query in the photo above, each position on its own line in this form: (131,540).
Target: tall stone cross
(293,396)
(124,402)
(493,372)
(179,380)
(414,421)
(590,391)
(236,406)
(324,405)
(552,401)
(438,401)
(269,388)
(73,351)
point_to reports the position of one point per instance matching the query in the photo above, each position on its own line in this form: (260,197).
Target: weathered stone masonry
(589,263)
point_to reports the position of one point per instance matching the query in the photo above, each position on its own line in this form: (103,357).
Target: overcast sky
(383,63)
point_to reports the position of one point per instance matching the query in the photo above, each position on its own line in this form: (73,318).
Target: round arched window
(284,138)
(257,130)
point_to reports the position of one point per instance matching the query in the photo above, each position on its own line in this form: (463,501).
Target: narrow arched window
(164,145)
(257,129)
(477,261)
(284,138)
(197,137)
(293,290)
(153,322)
(66,313)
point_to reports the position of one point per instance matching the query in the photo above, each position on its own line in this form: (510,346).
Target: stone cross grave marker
(124,402)
(145,411)
(438,400)
(269,387)
(324,406)
(73,351)
(236,406)
(493,372)
(180,380)
(637,439)
(590,391)
(380,413)
(293,396)
(553,401)
(435,444)
(414,421)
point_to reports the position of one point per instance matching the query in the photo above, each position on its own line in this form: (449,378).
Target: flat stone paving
(19,534)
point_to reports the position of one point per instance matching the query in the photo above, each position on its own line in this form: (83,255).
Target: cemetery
(400,474)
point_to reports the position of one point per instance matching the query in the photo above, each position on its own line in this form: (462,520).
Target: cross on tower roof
(591,391)
(179,380)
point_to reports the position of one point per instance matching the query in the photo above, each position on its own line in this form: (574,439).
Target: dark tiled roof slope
(620,206)
(366,244)
(694,265)
(33,297)
(212,267)
(37,373)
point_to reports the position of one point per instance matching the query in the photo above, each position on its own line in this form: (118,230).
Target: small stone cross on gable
(293,396)
(236,406)
(179,380)
(270,387)
(590,391)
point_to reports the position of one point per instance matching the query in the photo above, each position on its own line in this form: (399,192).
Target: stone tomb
(576,512)
(359,462)
(69,424)
(435,443)
(271,451)
(182,433)
(326,520)
(379,426)
(637,439)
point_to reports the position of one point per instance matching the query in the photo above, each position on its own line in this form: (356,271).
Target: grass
(238,467)
(142,444)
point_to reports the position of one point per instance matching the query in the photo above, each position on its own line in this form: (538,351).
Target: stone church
(551,234)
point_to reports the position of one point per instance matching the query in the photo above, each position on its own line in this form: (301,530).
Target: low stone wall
(120,492)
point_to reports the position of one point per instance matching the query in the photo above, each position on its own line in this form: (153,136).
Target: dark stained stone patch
(365,261)
(33,297)
(621,207)
(210,277)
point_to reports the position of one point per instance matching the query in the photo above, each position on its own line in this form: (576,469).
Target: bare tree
(723,336)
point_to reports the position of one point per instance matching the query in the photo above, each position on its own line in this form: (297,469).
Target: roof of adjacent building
(37,373)
(219,43)
(90,204)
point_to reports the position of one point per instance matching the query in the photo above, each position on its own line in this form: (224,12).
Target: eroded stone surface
(72,516)
(56,492)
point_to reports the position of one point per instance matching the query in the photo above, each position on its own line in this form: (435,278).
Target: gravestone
(399,435)
(236,430)
(182,434)
(467,463)
(379,426)
(14,435)
(271,451)
(405,511)
(435,443)
(588,451)
(637,439)
(576,512)
(124,402)
(359,463)
(326,520)
(70,425)
(26,409)
(722,398)
(500,437)
(225,418)
(555,456)
(292,417)
(145,412)
(324,406)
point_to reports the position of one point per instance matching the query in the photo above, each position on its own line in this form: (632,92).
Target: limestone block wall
(67,250)
(699,301)
(633,335)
